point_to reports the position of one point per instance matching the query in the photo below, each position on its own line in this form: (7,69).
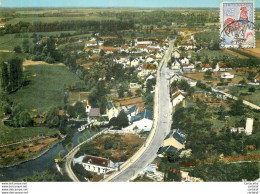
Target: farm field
(253,51)
(41,93)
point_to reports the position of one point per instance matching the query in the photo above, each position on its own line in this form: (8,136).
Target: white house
(111,110)
(221,67)
(184,61)
(143,120)
(176,96)
(176,54)
(176,66)
(205,68)
(174,77)
(249,126)
(227,76)
(95,164)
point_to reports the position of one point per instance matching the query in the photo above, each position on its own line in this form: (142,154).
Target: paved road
(68,166)
(163,126)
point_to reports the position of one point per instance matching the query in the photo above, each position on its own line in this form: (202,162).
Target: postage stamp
(237,24)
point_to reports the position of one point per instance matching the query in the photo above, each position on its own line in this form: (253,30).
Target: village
(101,98)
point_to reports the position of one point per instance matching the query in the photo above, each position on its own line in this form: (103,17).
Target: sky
(113,3)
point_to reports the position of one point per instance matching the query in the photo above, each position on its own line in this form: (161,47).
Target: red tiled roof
(94,112)
(257,77)
(206,66)
(96,161)
(141,46)
(108,48)
(222,65)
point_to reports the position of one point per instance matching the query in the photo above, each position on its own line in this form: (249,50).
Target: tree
(71,111)
(108,143)
(102,53)
(16,73)
(237,108)
(80,109)
(52,118)
(121,92)
(25,119)
(26,46)
(251,89)
(17,49)
(4,76)
(122,119)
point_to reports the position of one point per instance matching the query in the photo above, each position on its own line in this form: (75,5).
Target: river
(43,162)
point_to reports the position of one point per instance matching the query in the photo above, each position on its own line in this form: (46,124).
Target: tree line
(12,74)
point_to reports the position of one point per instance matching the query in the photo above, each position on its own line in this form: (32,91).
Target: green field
(33,19)
(10,135)
(45,88)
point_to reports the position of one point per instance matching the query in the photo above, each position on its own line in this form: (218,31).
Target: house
(148,77)
(142,48)
(188,68)
(94,113)
(176,54)
(176,139)
(108,49)
(237,130)
(133,62)
(184,61)
(2,25)
(257,79)
(131,112)
(176,67)
(186,178)
(249,126)
(205,68)
(222,67)
(124,48)
(147,41)
(159,56)
(177,97)
(91,43)
(221,96)
(143,120)
(174,78)
(95,164)
(111,110)
(227,76)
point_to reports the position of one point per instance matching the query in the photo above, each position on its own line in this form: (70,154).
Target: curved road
(163,126)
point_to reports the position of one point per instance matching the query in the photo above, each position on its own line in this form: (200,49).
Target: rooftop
(96,161)
(145,114)
(94,112)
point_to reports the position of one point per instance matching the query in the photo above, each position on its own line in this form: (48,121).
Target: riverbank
(11,161)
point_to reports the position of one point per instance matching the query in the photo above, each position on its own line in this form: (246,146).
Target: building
(249,126)
(111,110)
(175,78)
(174,141)
(143,120)
(176,54)
(237,130)
(94,113)
(222,67)
(227,76)
(95,164)
(131,112)
(257,79)
(177,97)
(205,68)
